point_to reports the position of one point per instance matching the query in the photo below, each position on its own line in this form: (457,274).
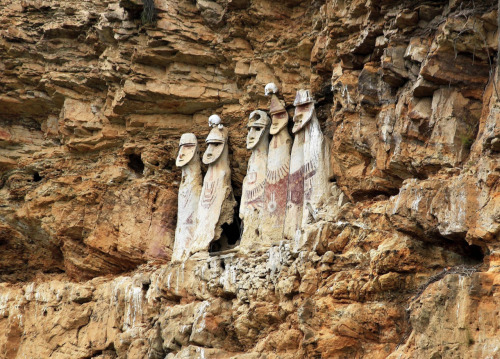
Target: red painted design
(276,194)
(309,170)
(296,184)
(251,178)
(209,193)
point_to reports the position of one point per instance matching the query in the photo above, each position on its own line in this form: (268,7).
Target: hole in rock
(222,264)
(134,10)
(36,177)
(476,253)
(145,286)
(169,165)
(472,254)
(231,233)
(109,352)
(422,176)
(364,195)
(325,95)
(53,271)
(135,163)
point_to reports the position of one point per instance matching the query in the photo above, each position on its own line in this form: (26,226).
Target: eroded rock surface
(403,260)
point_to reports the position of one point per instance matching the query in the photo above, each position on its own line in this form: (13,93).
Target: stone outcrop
(402,260)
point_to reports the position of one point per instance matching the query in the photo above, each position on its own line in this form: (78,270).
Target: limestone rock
(403,258)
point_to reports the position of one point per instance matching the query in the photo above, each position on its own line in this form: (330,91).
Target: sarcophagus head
(258,122)
(304,110)
(216,141)
(188,147)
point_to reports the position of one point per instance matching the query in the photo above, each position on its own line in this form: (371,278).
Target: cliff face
(92,105)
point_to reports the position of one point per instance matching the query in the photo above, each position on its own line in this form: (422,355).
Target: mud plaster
(216,204)
(316,168)
(276,192)
(252,200)
(295,197)
(187,208)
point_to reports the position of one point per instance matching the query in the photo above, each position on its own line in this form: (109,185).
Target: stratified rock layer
(402,262)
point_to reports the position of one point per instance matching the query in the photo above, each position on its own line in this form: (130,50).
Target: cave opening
(135,163)
(475,253)
(231,233)
(37,177)
(472,254)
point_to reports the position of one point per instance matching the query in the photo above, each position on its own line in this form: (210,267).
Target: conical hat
(276,105)
(217,135)
(303,97)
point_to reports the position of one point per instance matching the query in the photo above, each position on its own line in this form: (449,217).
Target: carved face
(258,122)
(186,154)
(254,136)
(279,121)
(213,152)
(303,113)
(188,148)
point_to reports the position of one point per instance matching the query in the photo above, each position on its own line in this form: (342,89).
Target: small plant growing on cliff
(470,339)
(148,15)
(467,141)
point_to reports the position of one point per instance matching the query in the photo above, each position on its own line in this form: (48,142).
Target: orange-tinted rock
(404,260)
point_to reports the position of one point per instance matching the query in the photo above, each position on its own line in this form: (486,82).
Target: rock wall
(405,264)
